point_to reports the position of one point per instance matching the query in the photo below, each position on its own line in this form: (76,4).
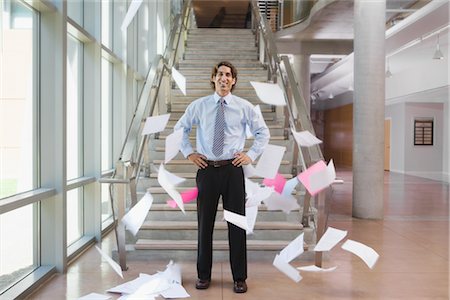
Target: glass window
(107,6)
(74,108)
(75,224)
(18,69)
(75,10)
(18,245)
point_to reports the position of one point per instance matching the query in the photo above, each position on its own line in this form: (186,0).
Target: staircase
(167,231)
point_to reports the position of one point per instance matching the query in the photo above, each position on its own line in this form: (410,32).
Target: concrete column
(368,108)
(300,65)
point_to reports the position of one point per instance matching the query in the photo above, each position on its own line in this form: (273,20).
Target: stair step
(191,175)
(272,138)
(219,225)
(192,206)
(185,161)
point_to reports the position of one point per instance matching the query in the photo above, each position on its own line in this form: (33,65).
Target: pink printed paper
(187,196)
(278,182)
(305,175)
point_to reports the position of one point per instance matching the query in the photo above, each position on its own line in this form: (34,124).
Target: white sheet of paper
(152,287)
(131,286)
(135,217)
(256,193)
(269,162)
(277,201)
(175,291)
(137,297)
(329,239)
(172,273)
(367,254)
(173,143)
(294,249)
(313,268)
(249,170)
(94,296)
(131,12)
(324,178)
(269,93)
(305,138)
(180,80)
(111,262)
(289,186)
(155,124)
(286,268)
(251,213)
(168,181)
(236,219)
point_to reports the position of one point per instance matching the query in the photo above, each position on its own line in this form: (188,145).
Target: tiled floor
(412,241)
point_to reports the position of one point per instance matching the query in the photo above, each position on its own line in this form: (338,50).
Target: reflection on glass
(18,249)
(75,226)
(17,67)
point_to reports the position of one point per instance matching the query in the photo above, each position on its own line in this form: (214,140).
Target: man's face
(224,80)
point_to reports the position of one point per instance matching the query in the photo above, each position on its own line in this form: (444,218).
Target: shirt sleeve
(186,122)
(260,131)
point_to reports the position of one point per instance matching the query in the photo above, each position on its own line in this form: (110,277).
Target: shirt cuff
(252,154)
(187,152)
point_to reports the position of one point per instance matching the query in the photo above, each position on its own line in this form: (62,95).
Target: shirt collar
(227,98)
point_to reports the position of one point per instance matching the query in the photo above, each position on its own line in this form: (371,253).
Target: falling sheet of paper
(304,176)
(236,219)
(294,249)
(305,138)
(286,268)
(269,93)
(135,217)
(175,291)
(278,182)
(132,10)
(168,181)
(322,179)
(110,261)
(173,143)
(155,124)
(367,254)
(289,186)
(279,202)
(314,268)
(249,170)
(269,162)
(329,239)
(180,80)
(255,193)
(251,213)
(94,296)
(187,196)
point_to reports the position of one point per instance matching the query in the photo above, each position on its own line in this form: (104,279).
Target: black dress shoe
(202,284)
(240,286)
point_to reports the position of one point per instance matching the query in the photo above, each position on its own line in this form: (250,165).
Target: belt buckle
(216,164)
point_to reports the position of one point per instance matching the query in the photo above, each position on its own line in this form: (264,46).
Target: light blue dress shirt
(239,115)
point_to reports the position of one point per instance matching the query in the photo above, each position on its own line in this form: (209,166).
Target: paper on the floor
(278,182)
(313,268)
(256,193)
(323,178)
(175,291)
(269,93)
(289,186)
(131,12)
(94,296)
(367,254)
(131,286)
(294,249)
(236,219)
(305,138)
(269,162)
(304,177)
(180,80)
(286,268)
(172,273)
(137,297)
(187,196)
(155,124)
(251,213)
(110,261)
(329,239)
(135,217)
(280,202)
(168,181)
(173,143)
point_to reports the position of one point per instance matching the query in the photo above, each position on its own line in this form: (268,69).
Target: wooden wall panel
(338,135)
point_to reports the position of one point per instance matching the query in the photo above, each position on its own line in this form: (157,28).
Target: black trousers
(228,182)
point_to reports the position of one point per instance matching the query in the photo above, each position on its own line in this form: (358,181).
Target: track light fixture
(388,71)
(438,54)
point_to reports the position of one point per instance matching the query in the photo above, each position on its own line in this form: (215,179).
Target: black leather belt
(219,163)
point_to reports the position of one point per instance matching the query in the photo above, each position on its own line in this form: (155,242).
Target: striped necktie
(219,129)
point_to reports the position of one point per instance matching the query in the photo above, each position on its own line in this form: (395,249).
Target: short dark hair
(216,68)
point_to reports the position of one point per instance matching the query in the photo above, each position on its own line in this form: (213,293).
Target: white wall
(396,113)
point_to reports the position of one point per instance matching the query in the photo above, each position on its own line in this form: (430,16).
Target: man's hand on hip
(241,159)
(198,160)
